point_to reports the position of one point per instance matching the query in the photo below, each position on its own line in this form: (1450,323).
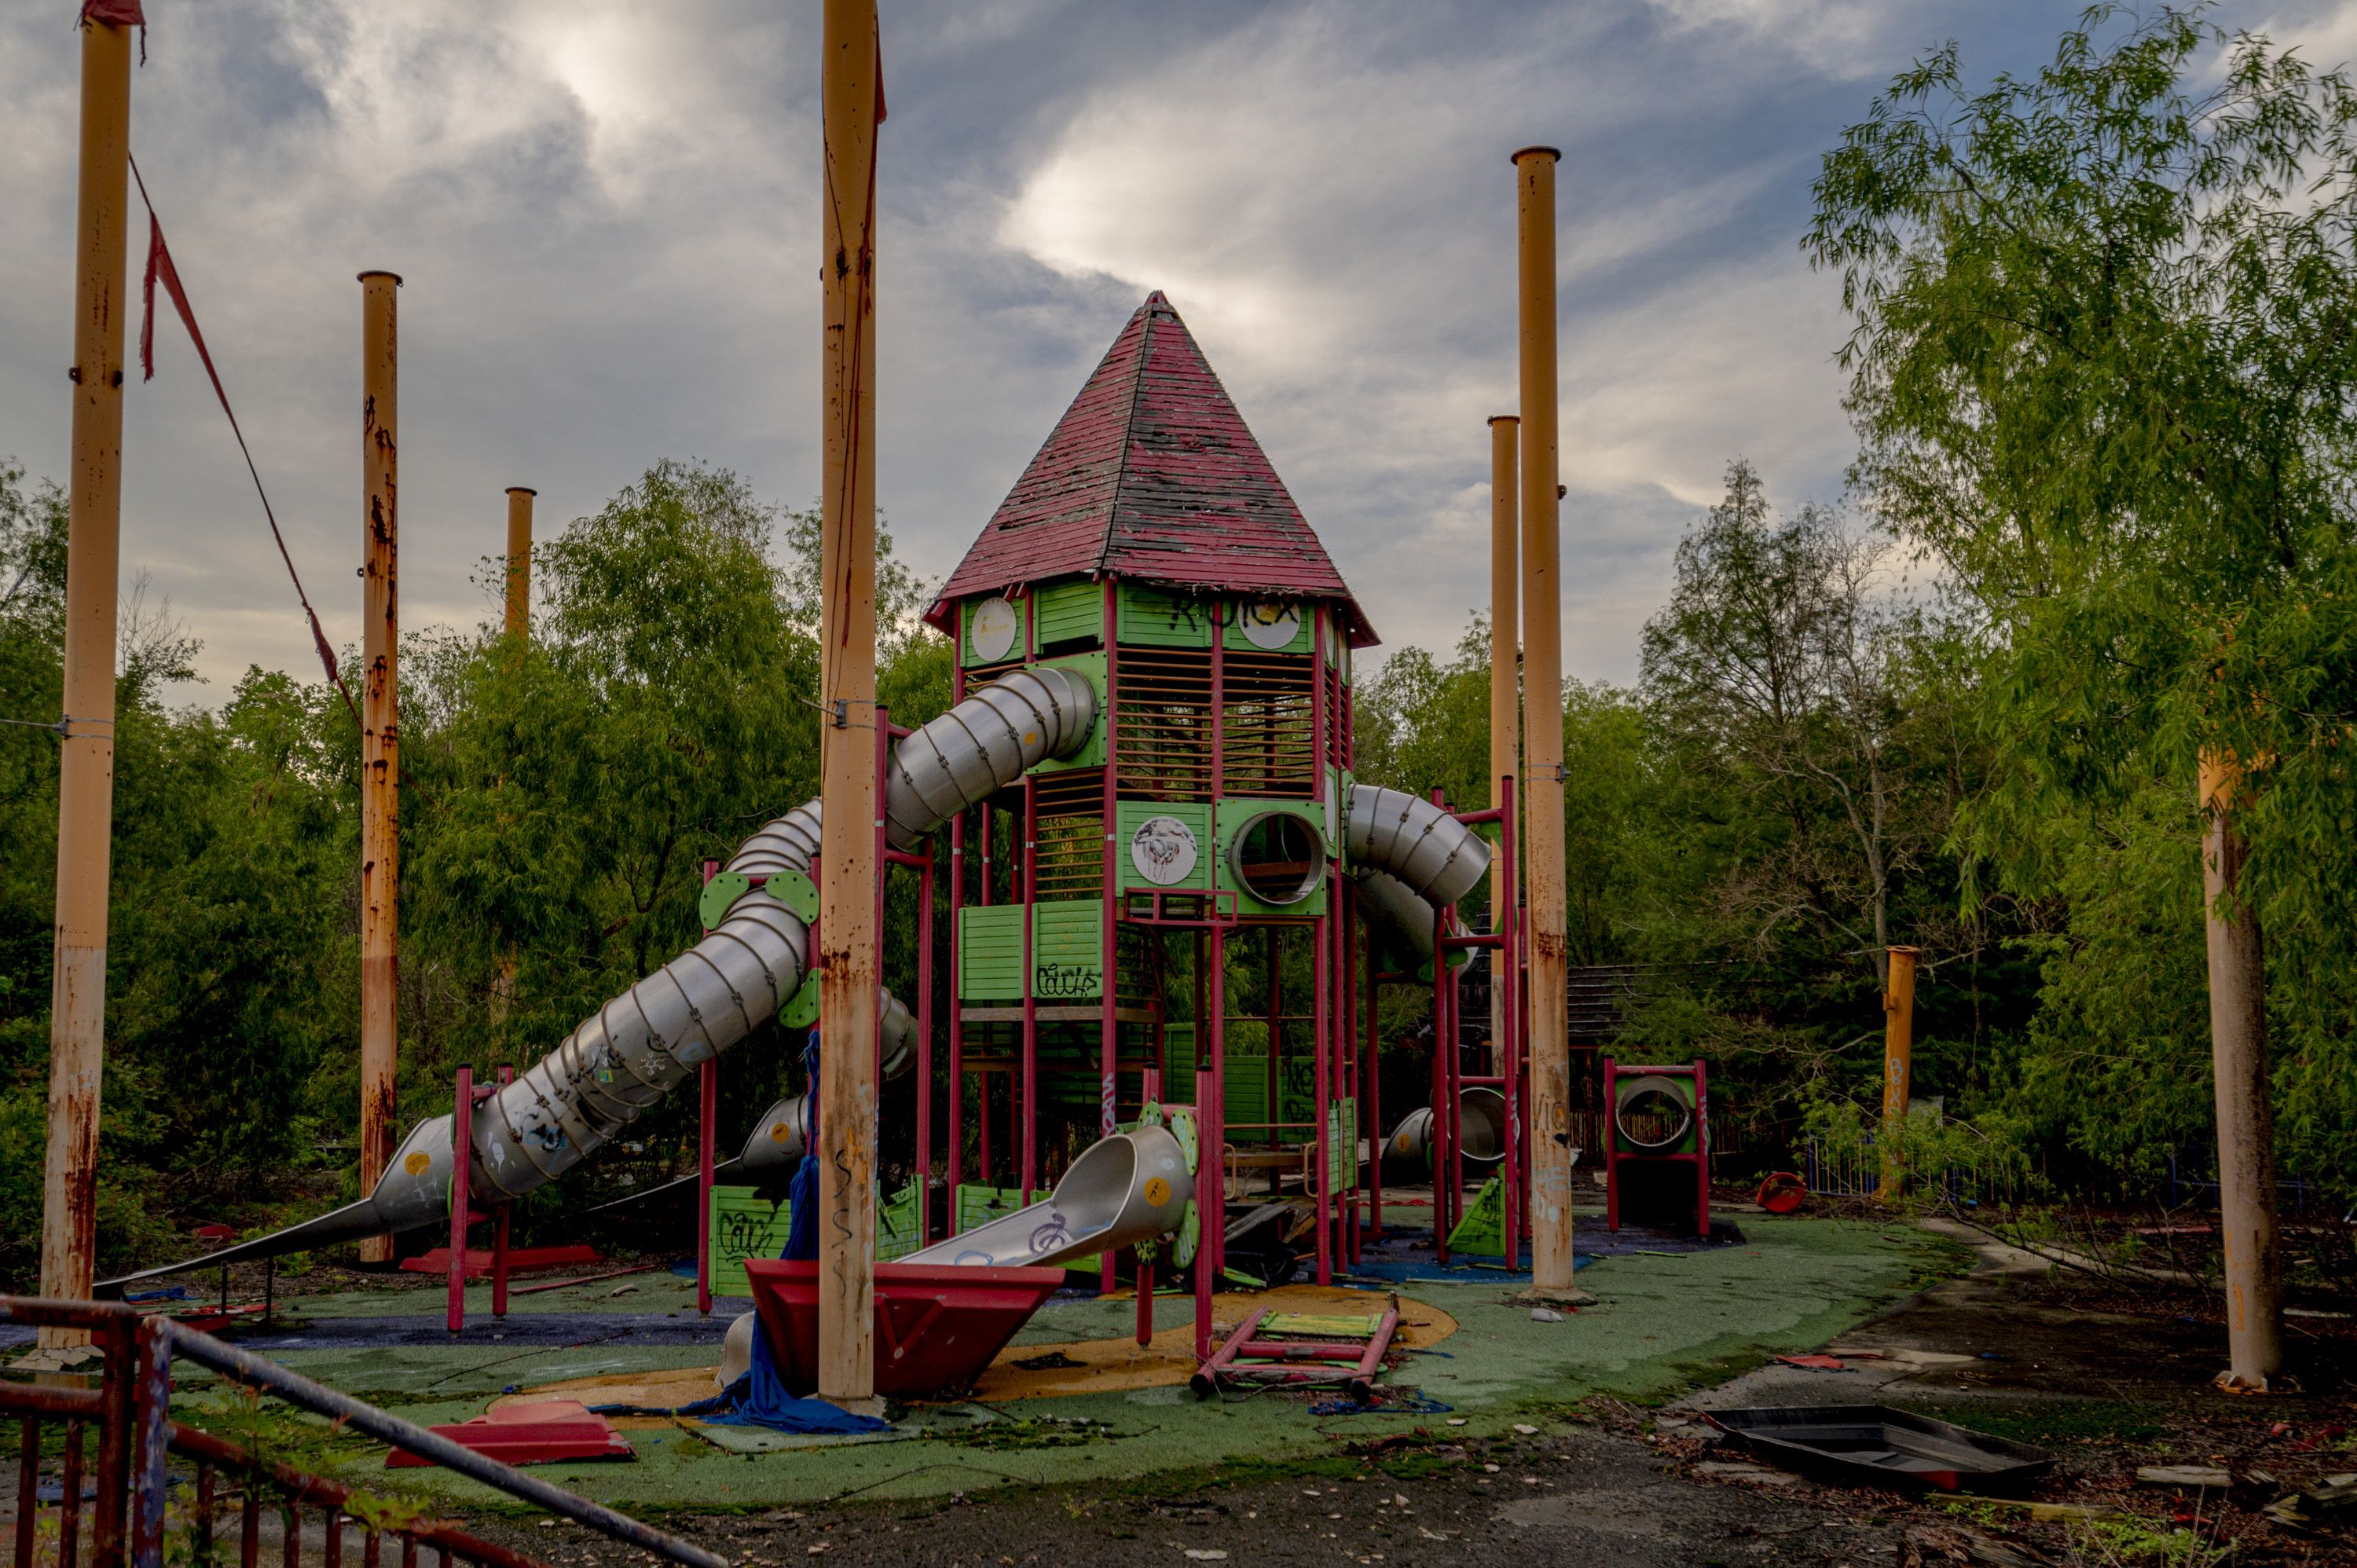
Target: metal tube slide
(1124,1189)
(1435,856)
(640,1046)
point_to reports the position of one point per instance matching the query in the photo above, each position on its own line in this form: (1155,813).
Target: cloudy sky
(606,217)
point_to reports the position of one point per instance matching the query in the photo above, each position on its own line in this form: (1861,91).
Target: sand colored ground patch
(1108,1366)
(1120,1365)
(666,1389)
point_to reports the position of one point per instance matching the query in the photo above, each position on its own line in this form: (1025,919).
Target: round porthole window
(1163,851)
(1278,857)
(1270,624)
(993,632)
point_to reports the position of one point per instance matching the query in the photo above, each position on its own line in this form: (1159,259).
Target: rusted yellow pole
(848,869)
(1898,1062)
(1542,787)
(86,767)
(1506,687)
(2238,1056)
(520,559)
(380,729)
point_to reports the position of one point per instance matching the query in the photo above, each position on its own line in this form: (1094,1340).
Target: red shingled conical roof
(1151,475)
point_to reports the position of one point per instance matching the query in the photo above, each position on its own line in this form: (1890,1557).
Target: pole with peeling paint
(849,871)
(86,767)
(1898,1062)
(1505,698)
(380,729)
(1551,1146)
(2238,1056)
(520,559)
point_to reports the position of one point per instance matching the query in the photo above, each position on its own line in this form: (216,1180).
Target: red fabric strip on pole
(159,266)
(118,13)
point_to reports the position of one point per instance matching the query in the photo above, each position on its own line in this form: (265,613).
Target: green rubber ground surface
(1661,1324)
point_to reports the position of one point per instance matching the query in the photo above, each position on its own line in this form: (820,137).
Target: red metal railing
(130,1484)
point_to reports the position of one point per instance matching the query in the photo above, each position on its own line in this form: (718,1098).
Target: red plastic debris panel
(938,1325)
(436,1260)
(542,1432)
(1152,474)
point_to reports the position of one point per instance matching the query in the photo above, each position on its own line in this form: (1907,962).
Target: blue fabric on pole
(801,1224)
(759,1398)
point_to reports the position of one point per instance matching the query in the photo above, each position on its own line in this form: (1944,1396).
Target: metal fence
(124,1429)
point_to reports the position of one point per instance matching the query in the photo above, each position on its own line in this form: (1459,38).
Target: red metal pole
(1611,1152)
(708,1110)
(924,1051)
(1028,867)
(1108,1052)
(462,1157)
(957,1043)
(1702,1151)
(499,1236)
(1371,1075)
(1322,1088)
(1504,972)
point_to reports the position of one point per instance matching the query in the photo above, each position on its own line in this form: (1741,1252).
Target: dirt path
(1587,1496)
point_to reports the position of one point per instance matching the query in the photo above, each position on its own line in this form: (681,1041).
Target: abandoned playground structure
(1176,921)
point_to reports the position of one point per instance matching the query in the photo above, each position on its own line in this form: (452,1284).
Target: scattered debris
(1754,1474)
(2333,1495)
(1545,1315)
(1053,1361)
(1876,1445)
(2184,1476)
(1815,1363)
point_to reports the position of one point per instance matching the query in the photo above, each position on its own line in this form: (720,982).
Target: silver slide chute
(639,1047)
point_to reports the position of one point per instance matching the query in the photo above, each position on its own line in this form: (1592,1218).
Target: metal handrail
(132,1410)
(170,1339)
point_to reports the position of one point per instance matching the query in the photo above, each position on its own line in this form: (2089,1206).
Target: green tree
(2103,357)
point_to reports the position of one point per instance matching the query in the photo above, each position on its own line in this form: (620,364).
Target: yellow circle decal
(1157,1192)
(783,1133)
(416,1163)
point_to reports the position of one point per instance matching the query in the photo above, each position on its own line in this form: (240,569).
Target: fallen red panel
(542,1432)
(938,1325)
(437,1260)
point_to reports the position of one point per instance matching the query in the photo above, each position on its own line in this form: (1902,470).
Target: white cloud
(606,213)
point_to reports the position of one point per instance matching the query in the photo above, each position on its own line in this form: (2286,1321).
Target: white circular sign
(1163,849)
(1270,624)
(994,629)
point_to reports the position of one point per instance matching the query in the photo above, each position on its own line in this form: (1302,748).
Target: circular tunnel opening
(1652,1115)
(1278,857)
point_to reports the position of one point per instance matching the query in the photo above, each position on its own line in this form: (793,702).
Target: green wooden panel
(1068,951)
(1178,1063)
(990,953)
(1093,755)
(899,1225)
(1233,815)
(977,1205)
(1070,612)
(1240,610)
(743,1225)
(1152,617)
(1244,1085)
(1129,816)
(967,655)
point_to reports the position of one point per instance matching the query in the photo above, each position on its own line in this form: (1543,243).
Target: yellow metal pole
(86,767)
(2238,1055)
(1542,787)
(1505,688)
(848,807)
(380,729)
(520,559)
(1898,1062)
